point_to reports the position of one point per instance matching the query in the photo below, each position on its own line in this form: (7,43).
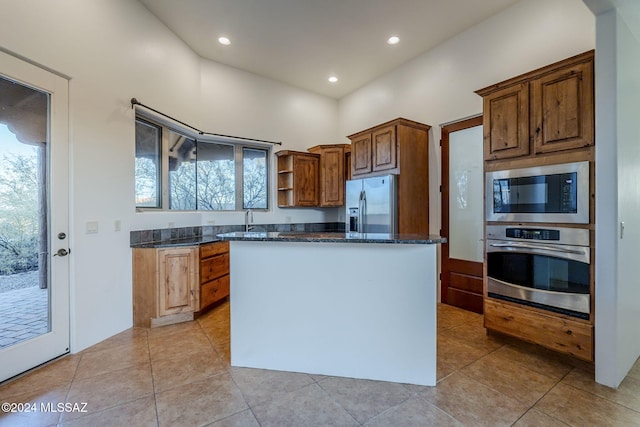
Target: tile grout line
(599,396)
(153,381)
(497,391)
(543,396)
(228,371)
(73,378)
(120,403)
(338,403)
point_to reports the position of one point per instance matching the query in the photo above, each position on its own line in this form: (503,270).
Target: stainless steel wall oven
(545,267)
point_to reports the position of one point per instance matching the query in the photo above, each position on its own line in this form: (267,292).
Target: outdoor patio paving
(23,314)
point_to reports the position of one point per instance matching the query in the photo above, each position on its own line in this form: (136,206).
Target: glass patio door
(34,242)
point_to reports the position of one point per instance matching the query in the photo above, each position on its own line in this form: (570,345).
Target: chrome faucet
(248,219)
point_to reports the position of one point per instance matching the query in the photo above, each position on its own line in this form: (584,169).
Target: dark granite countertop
(326,237)
(183,241)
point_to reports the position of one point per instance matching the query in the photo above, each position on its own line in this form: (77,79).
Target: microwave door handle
(541,247)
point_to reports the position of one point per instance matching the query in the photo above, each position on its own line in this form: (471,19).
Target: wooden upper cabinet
(545,111)
(361,155)
(298,183)
(332,173)
(384,149)
(305,177)
(375,151)
(506,123)
(399,147)
(563,109)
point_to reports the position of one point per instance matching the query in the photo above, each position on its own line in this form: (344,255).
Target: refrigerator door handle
(363,211)
(359,229)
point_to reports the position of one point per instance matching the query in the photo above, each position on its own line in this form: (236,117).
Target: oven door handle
(541,247)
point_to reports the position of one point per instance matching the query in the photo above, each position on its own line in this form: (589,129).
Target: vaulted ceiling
(303,42)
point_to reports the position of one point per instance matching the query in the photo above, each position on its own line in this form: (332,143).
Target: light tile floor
(24,314)
(180,375)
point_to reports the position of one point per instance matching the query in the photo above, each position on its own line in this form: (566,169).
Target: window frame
(160,196)
(238,144)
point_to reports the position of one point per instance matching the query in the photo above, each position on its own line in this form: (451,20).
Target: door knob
(61,252)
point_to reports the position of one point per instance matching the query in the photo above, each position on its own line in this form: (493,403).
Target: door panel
(34,113)
(462,214)
(384,149)
(361,155)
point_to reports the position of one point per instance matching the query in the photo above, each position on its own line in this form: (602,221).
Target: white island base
(359,310)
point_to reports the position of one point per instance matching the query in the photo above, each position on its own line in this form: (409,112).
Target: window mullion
(239,178)
(164,169)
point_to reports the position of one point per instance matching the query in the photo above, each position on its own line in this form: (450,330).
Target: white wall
(628,134)
(235,102)
(618,167)
(114,50)
(438,86)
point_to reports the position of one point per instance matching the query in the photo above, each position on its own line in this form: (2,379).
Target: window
(148,165)
(202,173)
(254,169)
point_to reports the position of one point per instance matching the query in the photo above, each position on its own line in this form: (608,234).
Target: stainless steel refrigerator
(372,205)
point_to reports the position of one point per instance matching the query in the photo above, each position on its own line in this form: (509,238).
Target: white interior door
(34,200)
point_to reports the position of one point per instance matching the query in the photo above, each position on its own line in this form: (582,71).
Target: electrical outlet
(117,225)
(287,219)
(172,224)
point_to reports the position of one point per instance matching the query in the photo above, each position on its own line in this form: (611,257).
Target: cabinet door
(563,109)
(384,148)
(305,175)
(361,155)
(506,123)
(332,177)
(178,284)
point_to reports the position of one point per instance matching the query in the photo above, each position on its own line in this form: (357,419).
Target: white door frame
(31,353)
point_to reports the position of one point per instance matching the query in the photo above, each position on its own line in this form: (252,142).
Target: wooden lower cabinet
(214,273)
(165,285)
(171,284)
(555,332)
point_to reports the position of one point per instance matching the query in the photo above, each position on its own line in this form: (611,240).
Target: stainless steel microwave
(554,193)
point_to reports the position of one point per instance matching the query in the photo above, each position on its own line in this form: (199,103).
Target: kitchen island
(341,304)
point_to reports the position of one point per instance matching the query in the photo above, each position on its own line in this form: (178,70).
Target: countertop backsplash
(142,237)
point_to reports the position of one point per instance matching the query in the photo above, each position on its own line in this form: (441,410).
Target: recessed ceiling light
(393,40)
(224,40)
(333,79)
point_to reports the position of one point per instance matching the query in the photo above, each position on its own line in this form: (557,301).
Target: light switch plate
(92,227)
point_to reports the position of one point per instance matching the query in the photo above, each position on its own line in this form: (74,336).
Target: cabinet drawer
(556,333)
(214,291)
(212,249)
(214,267)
